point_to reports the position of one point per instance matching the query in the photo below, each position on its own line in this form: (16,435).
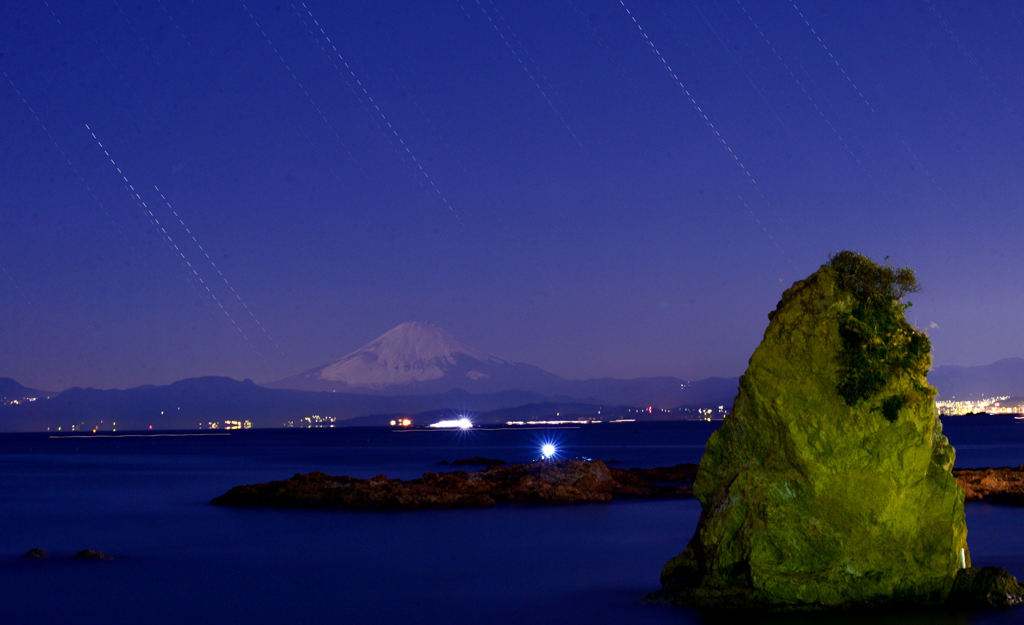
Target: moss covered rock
(830,482)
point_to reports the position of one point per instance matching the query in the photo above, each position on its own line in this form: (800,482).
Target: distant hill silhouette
(1003,377)
(188,404)
(12,390)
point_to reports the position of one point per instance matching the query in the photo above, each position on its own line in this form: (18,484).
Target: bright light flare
(463,423)
(548,450)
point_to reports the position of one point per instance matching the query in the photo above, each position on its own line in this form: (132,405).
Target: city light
(226,424)
(312,422)
(987,405)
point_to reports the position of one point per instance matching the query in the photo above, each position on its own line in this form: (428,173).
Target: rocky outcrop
(542,482)
(473,489)
(830,482)
(1001,485)
(35,553)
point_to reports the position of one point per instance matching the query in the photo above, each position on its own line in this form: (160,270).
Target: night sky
(596,188)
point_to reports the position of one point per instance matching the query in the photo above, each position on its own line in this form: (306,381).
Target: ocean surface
(180,560)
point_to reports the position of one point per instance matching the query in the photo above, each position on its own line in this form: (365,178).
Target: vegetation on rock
(877,341)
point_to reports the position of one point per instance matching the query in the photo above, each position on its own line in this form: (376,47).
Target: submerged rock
(92,554)
(830,482)
(544,482)
(474,461)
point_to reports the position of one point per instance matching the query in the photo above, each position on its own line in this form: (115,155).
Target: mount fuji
(420,358)
(417,357)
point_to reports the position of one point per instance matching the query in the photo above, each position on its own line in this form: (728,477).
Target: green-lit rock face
(830,482)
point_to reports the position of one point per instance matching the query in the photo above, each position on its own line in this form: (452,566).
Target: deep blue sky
(574,209)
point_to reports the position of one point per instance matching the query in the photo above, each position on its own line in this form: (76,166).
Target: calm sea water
(180,560)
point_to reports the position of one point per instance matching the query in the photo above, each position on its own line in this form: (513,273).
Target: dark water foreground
(181,560)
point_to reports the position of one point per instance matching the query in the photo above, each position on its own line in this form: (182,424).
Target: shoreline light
(462,424)
(548,450)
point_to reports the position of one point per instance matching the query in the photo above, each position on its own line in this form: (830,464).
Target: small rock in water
(36,553)
(989,587)
(92,554)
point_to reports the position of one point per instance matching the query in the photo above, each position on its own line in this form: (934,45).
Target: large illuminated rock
(830,482)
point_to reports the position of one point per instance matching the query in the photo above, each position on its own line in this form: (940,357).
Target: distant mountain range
(415,368)
(192,403)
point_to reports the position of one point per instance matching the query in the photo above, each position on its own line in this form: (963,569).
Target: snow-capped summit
(418,357)
(414,351)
